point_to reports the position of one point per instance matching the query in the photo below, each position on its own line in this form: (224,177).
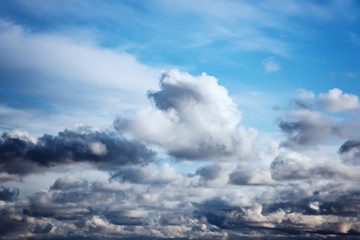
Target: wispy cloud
(270,65)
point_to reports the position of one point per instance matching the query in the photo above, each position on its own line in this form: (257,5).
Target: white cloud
(194,118)
(76,78)
(270,65)
(336,101)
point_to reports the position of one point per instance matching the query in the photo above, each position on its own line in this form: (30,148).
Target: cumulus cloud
(209,172)
(193,118)
(337,101)
(304,128)
(250,177)
(21,155)
(294,166)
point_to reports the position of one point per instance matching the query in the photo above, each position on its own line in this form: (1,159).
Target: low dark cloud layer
(7,194)
(21,155)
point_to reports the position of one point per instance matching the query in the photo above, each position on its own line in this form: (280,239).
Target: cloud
(294,166)
(69,183)
(69,92)
(350,152)
(193,118)
(180,209)
(21,155)
(6,194)
(249,176)
(148,174)
(209,172)
(270,65)
(305,128)
(336,101)
(304,94)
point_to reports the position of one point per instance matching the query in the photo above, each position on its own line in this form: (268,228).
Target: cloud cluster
(336,101)
(282,190)
(21,155)
(192,118)
(306,124)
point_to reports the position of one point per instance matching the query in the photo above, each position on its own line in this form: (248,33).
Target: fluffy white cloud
(193,118)
(336,101)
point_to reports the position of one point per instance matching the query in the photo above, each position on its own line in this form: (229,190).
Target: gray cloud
(337,101)
(126,210)
(250,175)
(146,174)
(209,172)
(21,155)
(304,128)
(350,152)
(6,194)
(68,183)
(293,166)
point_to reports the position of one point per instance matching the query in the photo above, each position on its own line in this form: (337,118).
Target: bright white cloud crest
(336,101)
(194,118)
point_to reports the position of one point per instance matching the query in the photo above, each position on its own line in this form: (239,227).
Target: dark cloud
(124,211)
(350,152)
(288,167)
(294,212)
(66,183)
(304,128)
(6,194)
(171,95)
(102,150)
(12,221)
(240,177)
(209,172)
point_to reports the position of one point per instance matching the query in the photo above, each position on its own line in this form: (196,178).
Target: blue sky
(242,105)
(313,44)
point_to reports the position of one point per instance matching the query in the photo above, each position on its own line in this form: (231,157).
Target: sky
(183,119)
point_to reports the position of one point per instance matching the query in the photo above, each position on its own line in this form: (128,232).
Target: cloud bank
(287,189)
